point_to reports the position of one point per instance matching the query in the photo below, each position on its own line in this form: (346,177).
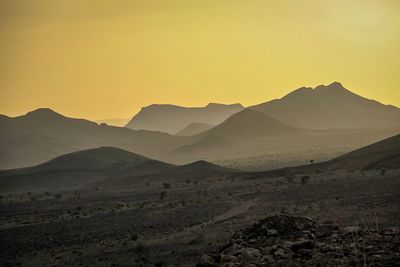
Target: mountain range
(307,123)
(330,107)
(172,119)
(85,167)
(114,167)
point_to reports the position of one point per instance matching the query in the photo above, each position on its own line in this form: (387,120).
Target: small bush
(163,194)
(305,179)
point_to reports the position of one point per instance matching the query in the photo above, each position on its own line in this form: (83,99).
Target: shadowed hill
(384,154)
(208,143)
(43,134)
(70,170)
(194,128)
(199,167)
(171,118)
(332,106)
(149,167)
(90,166)
(251,124)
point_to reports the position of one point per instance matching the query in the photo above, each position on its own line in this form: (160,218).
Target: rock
(268,250)
(304,244)
(351,230)
(280,253)
(206,261)
(391,231)
(233,250)
(228,259)
(272,232)
(250,254)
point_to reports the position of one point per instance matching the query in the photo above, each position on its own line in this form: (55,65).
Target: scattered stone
(272,232)
(351,230)
(304,244)
(206,261)
(298,241)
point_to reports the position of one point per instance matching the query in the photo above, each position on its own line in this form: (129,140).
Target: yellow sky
(104,59)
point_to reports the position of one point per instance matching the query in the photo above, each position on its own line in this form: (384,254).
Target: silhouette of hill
(70,170)
(208,143)
(114,121)
(384,154)
(249,124)
(199,167)
(43,134)
(194,128)
(149,167)
(328,107)
(171,118)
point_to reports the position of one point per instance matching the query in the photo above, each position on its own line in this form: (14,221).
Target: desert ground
(152,222)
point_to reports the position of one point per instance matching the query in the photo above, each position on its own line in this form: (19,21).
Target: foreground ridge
(283,240)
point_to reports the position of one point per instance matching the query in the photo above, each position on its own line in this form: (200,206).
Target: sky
(103,59)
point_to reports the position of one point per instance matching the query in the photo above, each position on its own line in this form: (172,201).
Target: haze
(104,59)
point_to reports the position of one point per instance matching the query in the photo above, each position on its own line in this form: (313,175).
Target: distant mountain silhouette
(70,170)
(199,167)
(194,128)
(207,143)
(149,167)
(328,107)
(114,121)
(171,119)
(108,164)
(43,134)
(248,124)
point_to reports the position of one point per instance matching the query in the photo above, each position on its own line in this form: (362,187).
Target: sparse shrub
(166,185)
(188,181)
(58,196)
(305,179)
(312,161)
(198,239)
(134,237)
(289,179)
(383,171)
(163,194)
(195,182)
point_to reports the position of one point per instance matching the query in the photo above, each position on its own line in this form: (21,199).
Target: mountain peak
(43,113)
(333,86)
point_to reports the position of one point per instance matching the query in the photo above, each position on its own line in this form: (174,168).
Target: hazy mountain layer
(171,118)
(328,107)
(44,134)
(194,128)
(93,165)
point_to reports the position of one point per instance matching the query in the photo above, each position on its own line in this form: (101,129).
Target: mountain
(70,170)
(199,167)
(114,121)
(43,134)
(250,124)
(99,166)
(329,107)
(206,144)
(384,154)
(194,128)
(171,118)
(150,167)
